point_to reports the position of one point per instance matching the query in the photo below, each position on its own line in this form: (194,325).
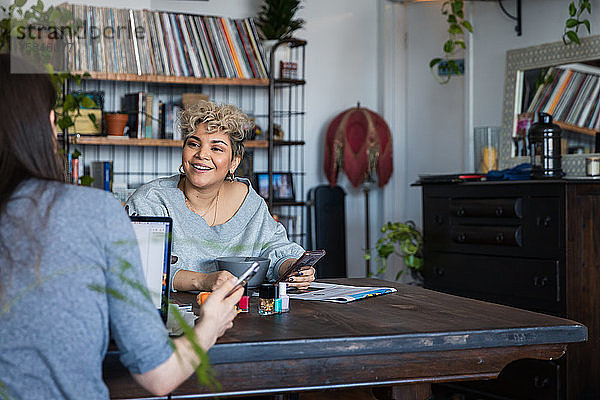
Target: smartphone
(308,259)
(245,277)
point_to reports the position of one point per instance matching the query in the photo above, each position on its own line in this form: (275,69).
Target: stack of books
(571,94)
(125,41)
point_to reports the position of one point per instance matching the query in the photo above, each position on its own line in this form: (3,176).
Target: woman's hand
(217,314)
(189,280)
(211,281)
(302,278)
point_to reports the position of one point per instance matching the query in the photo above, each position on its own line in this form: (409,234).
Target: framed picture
(283,186)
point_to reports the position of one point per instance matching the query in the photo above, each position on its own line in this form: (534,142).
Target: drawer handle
(499,211)
(438,219)
(500,237)
(461,237)
(544,221)
(540,281)
(440,271)
(460,212)
(540,383)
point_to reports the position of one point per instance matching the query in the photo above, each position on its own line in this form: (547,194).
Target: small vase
(115,124)
(282,53)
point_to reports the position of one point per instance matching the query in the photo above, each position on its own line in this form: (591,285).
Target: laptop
(154,237)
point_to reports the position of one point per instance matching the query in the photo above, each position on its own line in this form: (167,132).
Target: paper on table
(339,293)
(188,315)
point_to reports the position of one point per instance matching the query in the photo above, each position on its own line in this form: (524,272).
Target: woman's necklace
(214,204)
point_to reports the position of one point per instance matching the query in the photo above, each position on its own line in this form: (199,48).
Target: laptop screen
(154,240)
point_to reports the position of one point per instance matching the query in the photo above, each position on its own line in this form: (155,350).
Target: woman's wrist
(198,281)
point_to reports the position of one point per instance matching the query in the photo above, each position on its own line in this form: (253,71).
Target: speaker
(326,229)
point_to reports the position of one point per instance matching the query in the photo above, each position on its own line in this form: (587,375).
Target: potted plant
(276,21)
(405,240)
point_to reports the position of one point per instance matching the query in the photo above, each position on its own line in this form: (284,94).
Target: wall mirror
(541,63)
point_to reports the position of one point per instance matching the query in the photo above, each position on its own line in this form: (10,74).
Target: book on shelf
(571,94)
(133,105)
(164,43)
(102,173)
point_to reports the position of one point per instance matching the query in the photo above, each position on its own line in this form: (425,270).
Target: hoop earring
(181,171)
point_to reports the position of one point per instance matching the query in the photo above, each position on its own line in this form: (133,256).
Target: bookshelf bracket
(517,18)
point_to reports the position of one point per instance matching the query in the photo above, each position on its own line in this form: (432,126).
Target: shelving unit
(268,101)
(126,141)
(575,128)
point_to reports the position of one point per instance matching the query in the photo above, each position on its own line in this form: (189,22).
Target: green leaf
(457,7)
(571,23)
(449,46)
(455,29)
(76,153)
(467,26)
(452,19)
(454,67)
(432,64)
(460,43)
(587,25)
(572,9)
(69,103)
(86,180)
(64,122)
(572,36)
(20,3)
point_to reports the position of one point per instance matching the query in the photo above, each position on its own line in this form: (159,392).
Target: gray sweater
(67,255)
(251,232)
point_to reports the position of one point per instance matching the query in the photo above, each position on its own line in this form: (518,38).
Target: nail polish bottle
(285,299)
(266,299)
(277,300)
(244,303)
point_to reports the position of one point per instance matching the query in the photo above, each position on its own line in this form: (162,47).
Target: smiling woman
(215,214)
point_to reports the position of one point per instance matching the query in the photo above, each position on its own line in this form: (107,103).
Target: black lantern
(544,148)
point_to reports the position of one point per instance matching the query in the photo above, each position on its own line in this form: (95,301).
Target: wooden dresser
(528,244)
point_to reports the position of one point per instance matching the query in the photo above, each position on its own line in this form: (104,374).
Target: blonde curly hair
(225,118)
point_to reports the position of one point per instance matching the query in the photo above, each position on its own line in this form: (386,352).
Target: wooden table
(407,339)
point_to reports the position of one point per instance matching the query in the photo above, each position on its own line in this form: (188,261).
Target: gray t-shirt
(251,232)
(69,275)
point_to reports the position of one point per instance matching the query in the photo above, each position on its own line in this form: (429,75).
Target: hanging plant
(575,20)
(453,11)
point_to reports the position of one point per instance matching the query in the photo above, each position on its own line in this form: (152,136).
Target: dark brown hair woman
(64,251)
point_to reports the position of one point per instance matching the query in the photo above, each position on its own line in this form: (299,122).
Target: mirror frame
(540,56)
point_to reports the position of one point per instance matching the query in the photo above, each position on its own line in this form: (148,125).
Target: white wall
(426,118)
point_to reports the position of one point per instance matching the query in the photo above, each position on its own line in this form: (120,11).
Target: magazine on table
(338,293)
